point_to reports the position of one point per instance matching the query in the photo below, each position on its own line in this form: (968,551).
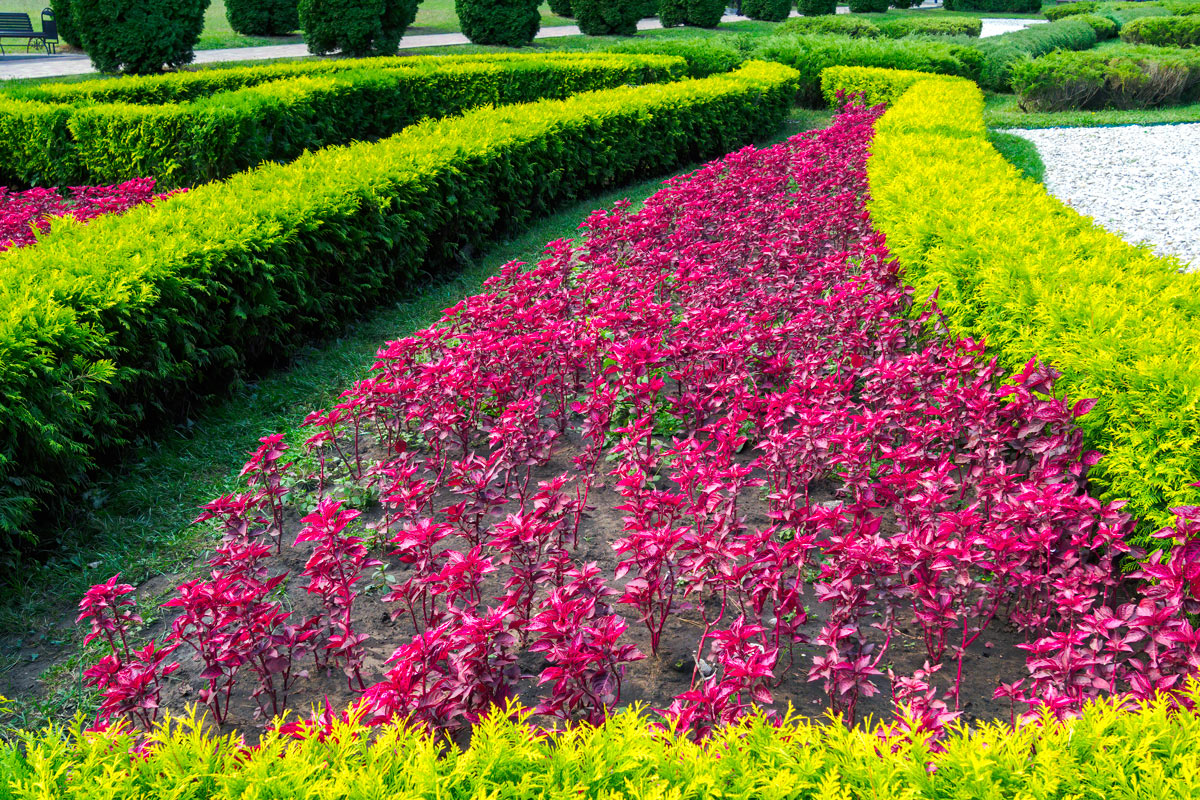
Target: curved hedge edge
(1139,753)
(212,137)
(1021,270)
(126,319)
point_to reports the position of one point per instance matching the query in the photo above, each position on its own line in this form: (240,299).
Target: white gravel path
(1142,182)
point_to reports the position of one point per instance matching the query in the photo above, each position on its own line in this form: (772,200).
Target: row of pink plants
(744,336)
(26,215)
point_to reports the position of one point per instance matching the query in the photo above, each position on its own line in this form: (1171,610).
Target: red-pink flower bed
(22,212)
(705,458)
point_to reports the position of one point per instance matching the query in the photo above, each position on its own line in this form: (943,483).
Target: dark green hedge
(694,13)
(811,54)
(131,317)
(504,22)
(356,27)
(607,17)
(185,144)
(767,10)
(995,6)
(1001,53)
(1163,31)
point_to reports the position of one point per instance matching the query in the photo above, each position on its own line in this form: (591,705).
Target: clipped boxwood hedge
(1163,31)
(1125,76)
(128,318)
(185,144)
(1145,754)
(1021,270)
(811,54)
(1001,53)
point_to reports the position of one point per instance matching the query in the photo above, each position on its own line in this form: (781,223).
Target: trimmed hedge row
(900,27)
(1145,754)
(1019,269)
(811,54)
(1002,53)
(1124,76)
(109,325)
(1163,31)
(185,144)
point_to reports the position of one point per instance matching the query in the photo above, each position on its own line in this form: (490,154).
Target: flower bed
(132,316)
(23,212)
(705,459)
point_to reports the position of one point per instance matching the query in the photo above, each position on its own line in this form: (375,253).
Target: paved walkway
(42,66)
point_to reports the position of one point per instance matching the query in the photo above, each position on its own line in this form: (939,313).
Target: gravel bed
(1142,182)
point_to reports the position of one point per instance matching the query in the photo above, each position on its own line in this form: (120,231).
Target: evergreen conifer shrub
(137,36)
(355,27)
(816,8)
(767,10)
(66,27)
(608,17)
(868,6)
(263,17)
(562,8)
(506,22)
(696,13)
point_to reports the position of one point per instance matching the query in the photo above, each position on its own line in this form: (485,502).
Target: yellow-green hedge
(105,325)
(1150,754)
(67,135)
(1018,268)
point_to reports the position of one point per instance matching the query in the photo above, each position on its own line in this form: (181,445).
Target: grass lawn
(1002,111)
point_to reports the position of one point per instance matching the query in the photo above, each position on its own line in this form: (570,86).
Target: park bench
(17,25)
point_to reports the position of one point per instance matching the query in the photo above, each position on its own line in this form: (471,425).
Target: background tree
(608,17)
(263,17)
(356,27)
(696,13)
(506,22)
(66,24)
(137,36)
(767,10)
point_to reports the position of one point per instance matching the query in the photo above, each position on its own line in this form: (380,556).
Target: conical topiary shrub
(138,36)
(696,13)
(608,17)
(767,10)
(263,17)
(356,27)
(506,22)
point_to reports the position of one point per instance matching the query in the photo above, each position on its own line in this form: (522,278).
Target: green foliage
(811,54)
(1104,27)
(768,10)
(930,26)
(1117,77)
(562,8)
(1163,31)
(512,23)
(1069,9)
(816,8)
(695,13)
(263,17)
(608,17)
(704,57)
(869,6)
(1019,152)
(995,6)
(130,318)
(1122,13)
(355,27)
(842,24)
(138,36)
(874,85)
(65,21)
(1144,754)
(1002,53)
(1017,268)
(214,136)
